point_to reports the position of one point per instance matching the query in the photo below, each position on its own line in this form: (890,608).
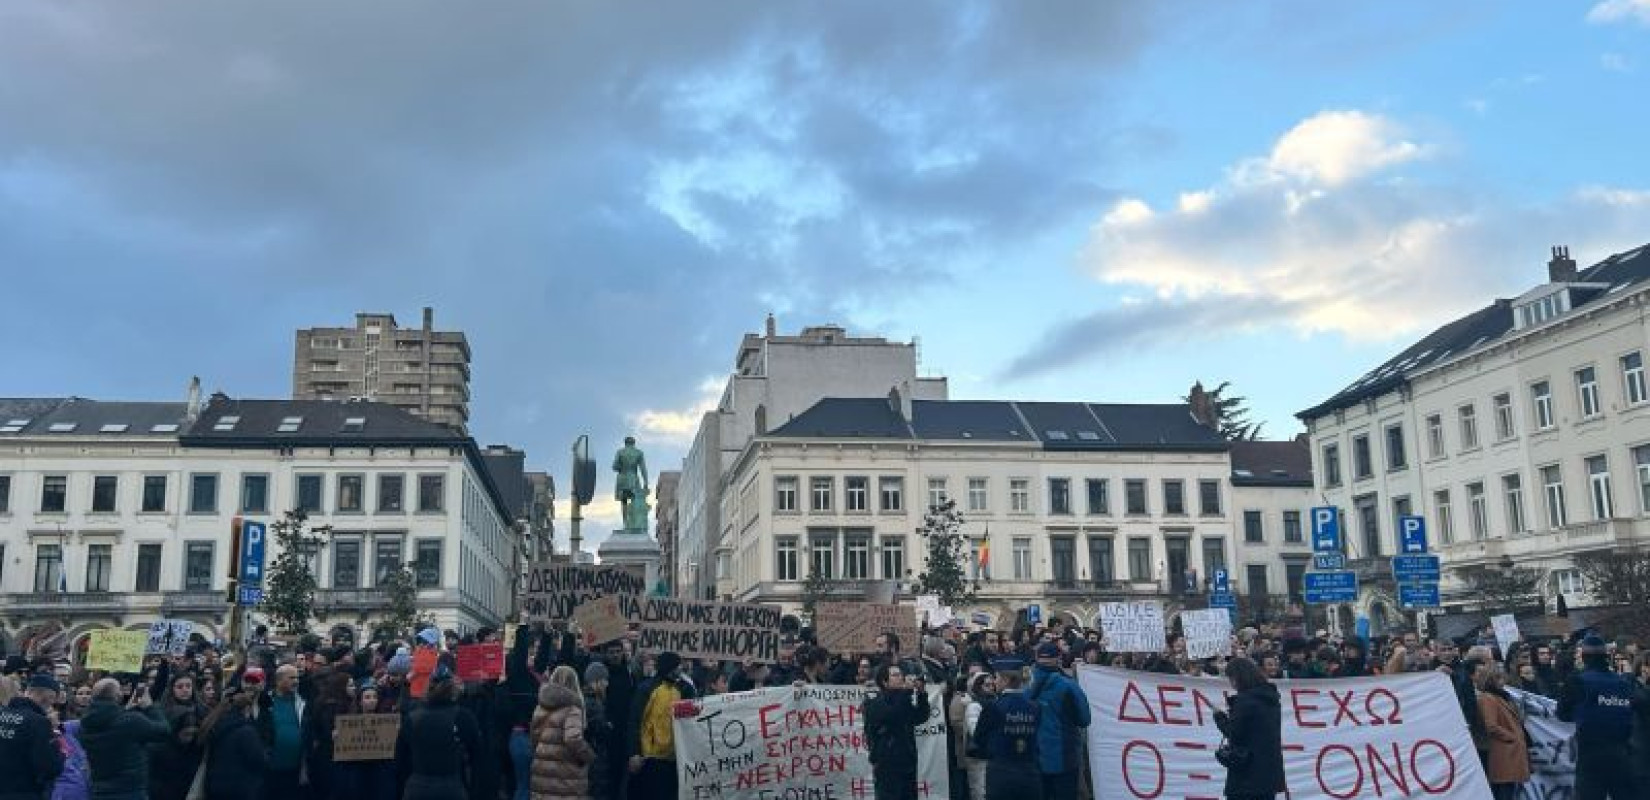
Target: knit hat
(429,636)
(667,663)
(400,663)
(1593,646)
(596,672)
(44,680)
(1048,650)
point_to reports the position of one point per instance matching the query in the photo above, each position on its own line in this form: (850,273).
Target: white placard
(1506,631)
(1208,632)
(1133,627)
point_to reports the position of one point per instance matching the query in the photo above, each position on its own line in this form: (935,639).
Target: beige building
(665,515)
(420,370)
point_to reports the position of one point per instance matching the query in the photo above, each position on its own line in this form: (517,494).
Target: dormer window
(62,427)
(14,426)
(355,424)
(1542,309)
(289,425)
(226,423)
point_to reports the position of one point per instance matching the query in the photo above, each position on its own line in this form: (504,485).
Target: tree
(816,589)
(401,608)
(1230,414)
(945,574)
(1506,587)
(1622,579)
(289,583)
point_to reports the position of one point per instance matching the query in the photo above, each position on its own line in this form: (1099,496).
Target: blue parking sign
(252,553)
(1222,581)
(1326,528)
(1412,534)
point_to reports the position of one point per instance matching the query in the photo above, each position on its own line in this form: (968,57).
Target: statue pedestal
(639,549)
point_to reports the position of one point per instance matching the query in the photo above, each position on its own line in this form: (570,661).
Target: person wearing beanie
(1600,703)
(1063,719)
(436,741)
(30,759)
(598,731)
(652,741)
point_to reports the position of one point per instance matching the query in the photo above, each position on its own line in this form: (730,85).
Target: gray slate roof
(322,422)
(1287,463)
(54,417)
(1053,426)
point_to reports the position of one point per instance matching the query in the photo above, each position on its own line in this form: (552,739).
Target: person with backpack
(1600,703)
(891,719)
(1063,719)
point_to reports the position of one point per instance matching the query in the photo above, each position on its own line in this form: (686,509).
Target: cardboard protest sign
(510,629)
(601,621)
(1552,748)
(1506,631)
(794,743)
(168,637)
(480,662)
(693,629)
(554,590)
(1154,736)
(1208,632)
(365,737)
(116,651)
(1133,627)
(423,666)
(854,627)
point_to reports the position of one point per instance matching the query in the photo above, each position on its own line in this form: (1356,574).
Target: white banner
(806,742)
(1208,632)
(1133,627)
(1154,736)
(1552,753)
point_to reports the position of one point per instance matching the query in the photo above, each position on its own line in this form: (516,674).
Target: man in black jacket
(29,758)
(1600,703)
(891,720)
(116,740)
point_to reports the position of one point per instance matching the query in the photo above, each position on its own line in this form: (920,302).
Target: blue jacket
(1065,713)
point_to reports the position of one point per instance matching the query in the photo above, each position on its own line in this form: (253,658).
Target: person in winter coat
(598,731)
(1640,744)
(117,740)
(319,720)
(1508,762)
(425,750)
(30,757)
(982,691)
(561,756)
(891,719)
(1254,734)
(1064,717)
(367,780)
(1009,730)
(1600,703)
(651,739)
(235,757)
(76,781)
(173,762)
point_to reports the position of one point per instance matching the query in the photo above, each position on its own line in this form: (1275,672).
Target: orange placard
(423,666)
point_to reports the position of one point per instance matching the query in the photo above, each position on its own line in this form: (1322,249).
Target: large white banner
(1552,749)
(1154,737)
(806,742)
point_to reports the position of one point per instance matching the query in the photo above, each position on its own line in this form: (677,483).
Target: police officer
(1600,703)
(1008,730)
(30,759)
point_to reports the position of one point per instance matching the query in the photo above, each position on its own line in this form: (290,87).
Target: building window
(1632,378)
(1478,510)
(978,494)
(1541,393)
(1445,519)
(1255,580)
(1252,532)
(1174,497)
(350,499)
(432,493)
(346,564)
(1140,560)
(1395,459)
(392,493)
(893,493)
(154,494)
(1332,465)
(893,557)
(1505,427)
(148,568)
(1552,487)
(1022,558)
(1062,552)
(1369,524)
(820,489)
(386,559)
(48,568)
(1598,483)
(785,559)
(1292,527)
(1214,556)
(1568,581)
(54,494)
(856,558)
(1099,492)
(1134,497)
(197,567)
(856,491)
(427,566)
(1587,392)
(1208,498)
(937,495)
(1101,567)
(1363,462)
(784,494)
(1059,495)
(822,555)
(1019,495)
(1435,436)
(104,490)
(309,494)
(1468,416)
(1512,490)
(5,494)
(100,561)
(203,494)
(1641,465)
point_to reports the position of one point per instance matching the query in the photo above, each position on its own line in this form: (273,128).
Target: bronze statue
(631,486)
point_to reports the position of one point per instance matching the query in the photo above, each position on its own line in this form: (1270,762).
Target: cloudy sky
(1063,200)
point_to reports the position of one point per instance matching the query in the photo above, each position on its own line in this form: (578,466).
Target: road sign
(1328,561)
(1331,587)
(1034,614)
(251,596)
(1222,599)
(252,553)
(1326,529)
(1418,595)
(1412,534)
(1415,569)
(1222,581)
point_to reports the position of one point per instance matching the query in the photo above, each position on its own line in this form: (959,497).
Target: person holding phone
(891,719)
(117,738)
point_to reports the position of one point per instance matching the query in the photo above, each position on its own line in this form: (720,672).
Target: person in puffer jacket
(76,781)
(598,731)
(1065,715)
(561,756)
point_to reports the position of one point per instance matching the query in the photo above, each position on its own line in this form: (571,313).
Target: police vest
(1016,738)
(1606,707)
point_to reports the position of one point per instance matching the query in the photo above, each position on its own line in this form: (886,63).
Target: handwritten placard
(480,662)
(116,651)
(169,637)
(1133,627)
(854,627)
(365,737)
(1208,632)
(601,621)
(693,629)
(555,590)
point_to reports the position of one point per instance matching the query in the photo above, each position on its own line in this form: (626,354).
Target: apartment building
(420,370)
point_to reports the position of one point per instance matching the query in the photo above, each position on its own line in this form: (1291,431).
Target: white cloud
(677,426)
(1334,147)
(1620,10)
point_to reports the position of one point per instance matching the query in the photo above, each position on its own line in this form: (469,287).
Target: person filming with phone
(891,719)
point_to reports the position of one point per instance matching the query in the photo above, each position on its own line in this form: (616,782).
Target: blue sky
(1064,200)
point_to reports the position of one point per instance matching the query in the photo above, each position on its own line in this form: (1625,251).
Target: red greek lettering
(1161,775)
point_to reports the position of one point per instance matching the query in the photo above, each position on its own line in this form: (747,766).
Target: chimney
(1203,406)
(192,408)
(1562,268)
(429,319)
(772,326)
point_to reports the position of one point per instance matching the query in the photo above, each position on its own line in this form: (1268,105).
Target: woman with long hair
(1507,762)
(561,755)
(438,741)
(235,759)
(332,699)
(1253,752)
(981,691)
(366,780)
(173,762)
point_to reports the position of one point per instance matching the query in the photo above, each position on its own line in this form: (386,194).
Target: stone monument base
(626,549)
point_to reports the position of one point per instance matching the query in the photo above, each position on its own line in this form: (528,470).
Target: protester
(281,725)
(1599,702)
(598,731)
(1253,751)
(1508,763)
(319,721)
(173,762)
(367,780)
(76,781)
(1065,715)
(981,692)
(652,737)
(891,719)
(1641,725)
(561,756)
(1009,730)
(117,739)
(30,758)
(235,757)
(436,742)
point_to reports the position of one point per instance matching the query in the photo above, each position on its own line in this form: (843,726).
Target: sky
(1062,199)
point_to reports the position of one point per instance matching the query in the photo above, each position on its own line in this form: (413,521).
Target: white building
(115,514)
(1075,503)
(775,378)
(1521,431)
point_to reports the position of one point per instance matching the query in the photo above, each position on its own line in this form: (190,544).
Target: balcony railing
(63,602)
(352,599)
(193,601)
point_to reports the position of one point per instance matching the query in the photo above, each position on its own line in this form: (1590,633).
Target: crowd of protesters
(566,722)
